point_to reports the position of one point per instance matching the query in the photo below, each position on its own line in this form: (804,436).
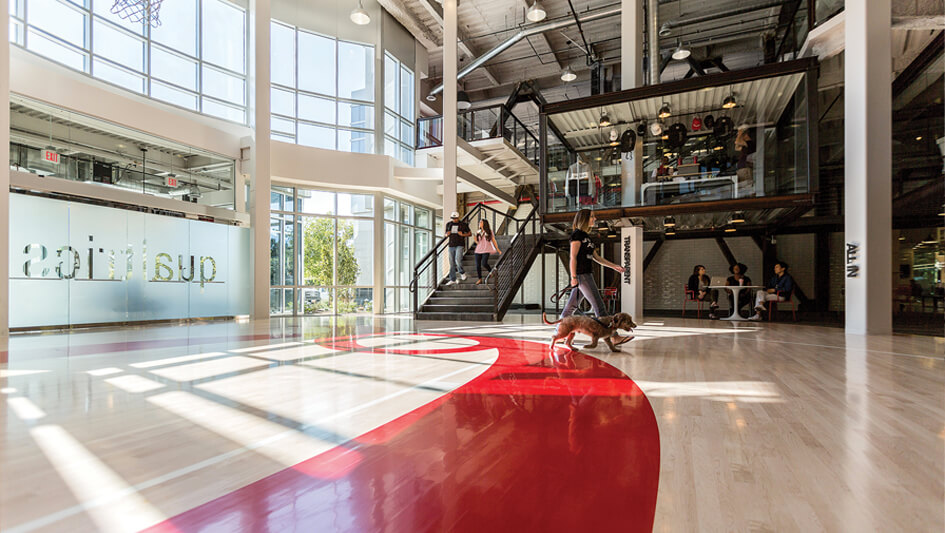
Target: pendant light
(604,120)
(729,102)
(536,13)
(568,75)
(665,111)
(359,16)
(669,222)
(738,217)
(681,52)
(462,101)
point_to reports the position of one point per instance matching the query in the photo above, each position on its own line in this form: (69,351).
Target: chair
(790,298)
(690,296)
(610,299)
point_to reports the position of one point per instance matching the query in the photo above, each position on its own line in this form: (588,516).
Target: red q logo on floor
(516,438)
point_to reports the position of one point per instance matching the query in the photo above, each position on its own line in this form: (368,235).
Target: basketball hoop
(138,10)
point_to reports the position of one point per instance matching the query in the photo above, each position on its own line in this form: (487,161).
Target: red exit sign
(170,182)
(50,156)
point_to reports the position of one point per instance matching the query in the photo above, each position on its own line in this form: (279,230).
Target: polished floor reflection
(383,424)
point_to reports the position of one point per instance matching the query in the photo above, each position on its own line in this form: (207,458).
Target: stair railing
(503,276)
(430,269)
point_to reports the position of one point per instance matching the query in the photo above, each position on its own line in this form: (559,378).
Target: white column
(449,107)
(631,44)
(5,170)
(868,166)
(631,164)
(380,250)
(631,251)
(261,178)
(631,76)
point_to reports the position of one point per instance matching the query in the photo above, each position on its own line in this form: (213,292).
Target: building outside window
(408,236)
(196,58)
(399,110)
(321,252)
(322,90)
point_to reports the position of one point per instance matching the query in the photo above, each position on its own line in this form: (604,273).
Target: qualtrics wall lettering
(69,263)
(75,263)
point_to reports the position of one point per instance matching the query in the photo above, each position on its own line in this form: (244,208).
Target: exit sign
(170,182)
(50,156)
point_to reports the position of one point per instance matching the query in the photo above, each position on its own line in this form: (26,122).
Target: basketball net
(138,10)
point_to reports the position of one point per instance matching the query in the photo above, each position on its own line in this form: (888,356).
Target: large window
(322,90)
(408,236)
(399,110)
(321,252)
(196,58)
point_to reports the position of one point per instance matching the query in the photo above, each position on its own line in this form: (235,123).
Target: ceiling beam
(436,11)
(419,31)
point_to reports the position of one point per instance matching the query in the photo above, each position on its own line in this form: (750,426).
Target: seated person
(738,277)
(778,288)
(663,171)
(699,285)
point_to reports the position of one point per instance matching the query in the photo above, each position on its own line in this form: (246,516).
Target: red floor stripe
(529,445)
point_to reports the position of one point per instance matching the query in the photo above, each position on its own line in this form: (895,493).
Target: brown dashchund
(602,328)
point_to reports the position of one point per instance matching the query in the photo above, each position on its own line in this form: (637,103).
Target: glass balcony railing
(478,124)
(729,136)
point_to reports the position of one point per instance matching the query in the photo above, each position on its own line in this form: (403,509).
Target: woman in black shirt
(738,277)
(582,255)
(699,287)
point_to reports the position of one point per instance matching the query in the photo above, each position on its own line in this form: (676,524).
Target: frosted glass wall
(73,263)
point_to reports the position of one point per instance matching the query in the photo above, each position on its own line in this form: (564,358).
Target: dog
(602,328)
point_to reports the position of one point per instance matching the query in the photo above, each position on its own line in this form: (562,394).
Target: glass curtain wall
(196,58)
(399,110)
(322,90)
(408,236)
(321,252)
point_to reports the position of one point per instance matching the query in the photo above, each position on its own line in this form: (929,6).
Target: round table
(736,289)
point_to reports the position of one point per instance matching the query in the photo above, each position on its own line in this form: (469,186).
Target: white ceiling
(759,102)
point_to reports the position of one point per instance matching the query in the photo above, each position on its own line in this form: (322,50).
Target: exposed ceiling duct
(671,24)
(523,33)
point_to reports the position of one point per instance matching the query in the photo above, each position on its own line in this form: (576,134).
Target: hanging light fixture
(670,232)
(665,30)
(665,111)
(604,120)
(729,229)
(462,101)
(681,52)
(568,74)
(536,13)
(729,102)
(359,16)
(738,217)
(669,222)
(929,239)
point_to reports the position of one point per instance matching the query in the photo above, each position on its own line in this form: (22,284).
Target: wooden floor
(761,427)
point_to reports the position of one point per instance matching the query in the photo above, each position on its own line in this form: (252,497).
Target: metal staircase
(434,300)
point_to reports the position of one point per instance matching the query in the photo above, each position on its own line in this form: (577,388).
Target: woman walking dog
(582,253)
